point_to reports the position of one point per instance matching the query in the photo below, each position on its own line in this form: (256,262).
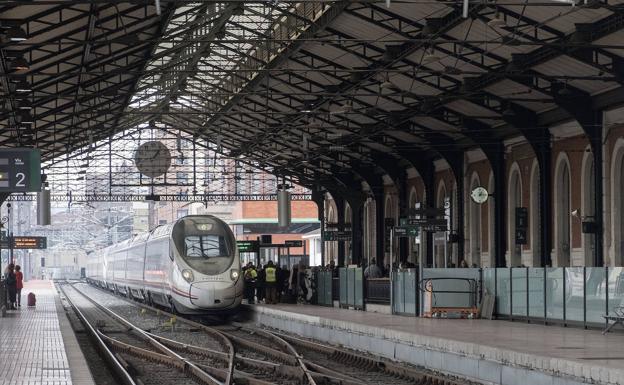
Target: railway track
(238,353)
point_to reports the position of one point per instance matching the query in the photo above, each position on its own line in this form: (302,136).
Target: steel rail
(371,362)
(118,369)
(178,361)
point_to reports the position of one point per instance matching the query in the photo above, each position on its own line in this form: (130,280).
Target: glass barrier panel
(410,291)
(574,295)
(554,293)
(358,288)
(536,292)
(343,286)
(350,287)
(519,291)
(398,303)
(595,294)
(616,289)
(488,281)
(503,291)
(320,288)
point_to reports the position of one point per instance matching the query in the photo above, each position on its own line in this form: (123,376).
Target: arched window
(414,242)
(562,211)
(441,247)
(588,193)
(534,216)
(474,229)
(515,200)
(491,261)
(617,203)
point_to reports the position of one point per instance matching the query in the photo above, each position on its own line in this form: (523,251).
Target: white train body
(191,265)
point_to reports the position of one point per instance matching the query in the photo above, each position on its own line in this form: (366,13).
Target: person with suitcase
(11,284)
(19,285)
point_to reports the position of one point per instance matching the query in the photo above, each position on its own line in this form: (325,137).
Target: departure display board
(248,246)
(20,170)
(23,242)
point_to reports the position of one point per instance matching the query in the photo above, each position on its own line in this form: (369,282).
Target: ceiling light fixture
(25,117)
(16,34)
(23,86)
(497,21)
(387,84)
(430,57)
(19,64)
(24,105)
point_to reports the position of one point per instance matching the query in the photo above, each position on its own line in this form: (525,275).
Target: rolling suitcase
(32,300)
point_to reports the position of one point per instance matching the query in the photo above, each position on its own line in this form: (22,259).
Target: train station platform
(492,352)
(38,345)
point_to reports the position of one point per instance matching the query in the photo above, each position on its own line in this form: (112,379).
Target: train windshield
(205,243)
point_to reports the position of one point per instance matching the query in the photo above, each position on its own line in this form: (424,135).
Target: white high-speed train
(191,266)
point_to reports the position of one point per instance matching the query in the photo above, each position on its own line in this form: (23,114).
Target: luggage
(31,299)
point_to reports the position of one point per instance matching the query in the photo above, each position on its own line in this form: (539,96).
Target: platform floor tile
(32,350)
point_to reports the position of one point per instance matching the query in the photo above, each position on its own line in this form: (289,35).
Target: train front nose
(213,294)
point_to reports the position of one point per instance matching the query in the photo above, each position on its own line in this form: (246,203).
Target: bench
(617,317)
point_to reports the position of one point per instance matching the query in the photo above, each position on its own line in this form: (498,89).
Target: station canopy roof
(331,93)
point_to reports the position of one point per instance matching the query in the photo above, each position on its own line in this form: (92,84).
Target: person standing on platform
(260,295)
(11,283)
(372,270)
(250,283)
(270,283)
(19,277)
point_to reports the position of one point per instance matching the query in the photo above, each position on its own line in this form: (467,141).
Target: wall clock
(479,195)
(152,158)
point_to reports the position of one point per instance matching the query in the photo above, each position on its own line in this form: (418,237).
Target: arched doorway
(588,206)
(534,217)
(562,212)
(515,200)
(474,230)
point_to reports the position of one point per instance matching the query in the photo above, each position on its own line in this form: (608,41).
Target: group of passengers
(14,281)
(272,284)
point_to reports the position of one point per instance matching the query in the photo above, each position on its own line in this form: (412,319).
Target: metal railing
(377,290)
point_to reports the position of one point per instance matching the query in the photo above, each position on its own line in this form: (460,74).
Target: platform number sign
(20,170)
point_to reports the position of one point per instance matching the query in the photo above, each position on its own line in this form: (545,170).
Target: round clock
(479,195)
(152,158)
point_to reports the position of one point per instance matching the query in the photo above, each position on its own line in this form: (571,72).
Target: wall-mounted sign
(20,170)
(294,243)
(337,235)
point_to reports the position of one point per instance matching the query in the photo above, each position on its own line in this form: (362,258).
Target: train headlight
(188,275)
(234,274)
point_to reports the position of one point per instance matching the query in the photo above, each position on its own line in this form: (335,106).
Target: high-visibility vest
(270,274)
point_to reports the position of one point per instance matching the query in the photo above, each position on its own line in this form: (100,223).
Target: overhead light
(19,64)
(24,105)
(23,86)
(430,57)
(130,39)
(508,112)
(450,70)
(16,34)
(25,117)
(347,107)
(239,10)
(497,21)
(387,84)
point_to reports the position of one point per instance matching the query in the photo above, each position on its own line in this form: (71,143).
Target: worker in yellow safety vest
(270,283)
(250,275)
